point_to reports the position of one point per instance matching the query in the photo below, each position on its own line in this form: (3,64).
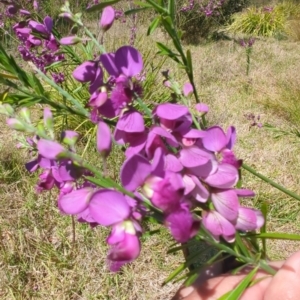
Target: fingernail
(186,291)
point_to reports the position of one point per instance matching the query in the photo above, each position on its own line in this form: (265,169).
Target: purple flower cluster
(37,42)
(184,172)
(247,43)
(209,8)
(113,97)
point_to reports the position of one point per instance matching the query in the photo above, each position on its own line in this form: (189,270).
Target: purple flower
(218,226)
(182,225)
(125,245)
(50,149)
(75,202)
(86,71)
(249,219)
(226,203)
(44,29)
(127,61)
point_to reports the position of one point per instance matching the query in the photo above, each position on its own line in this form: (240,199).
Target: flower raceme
(186,174)
(178,168)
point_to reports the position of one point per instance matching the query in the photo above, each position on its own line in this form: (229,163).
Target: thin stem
(73,231)
(101,48)
(271,182)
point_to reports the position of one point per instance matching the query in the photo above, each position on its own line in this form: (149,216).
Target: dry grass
(37,257)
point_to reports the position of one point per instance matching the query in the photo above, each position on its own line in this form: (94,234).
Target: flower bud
(70,40)
(104,140)
(70,137)
(107,18)
(187,89)
(25,114)
(36,5)
(16,124)
(6,109)
(12,9)
(48,119)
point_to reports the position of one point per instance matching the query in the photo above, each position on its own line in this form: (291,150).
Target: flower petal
(225,177)
(128,61)
(108,207)
(76,201)
(131,121)
(249,219)
(108,62)
(226,203)
(86,71)
(218,225)
(134,172)
(50,149)
(194,156)
(170,111)
(182,225)
(215,139)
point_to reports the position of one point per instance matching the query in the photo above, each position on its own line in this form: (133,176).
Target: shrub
(264,21)
(200,19)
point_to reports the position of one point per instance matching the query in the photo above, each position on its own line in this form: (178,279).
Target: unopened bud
(70,40)
(16,124)
(25,114)
(6,109)
(107,18)
(70,137)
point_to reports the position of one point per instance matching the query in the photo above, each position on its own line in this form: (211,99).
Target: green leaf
(102,5)
(189,61)
(264,210)
(154,24)
(142,4)
(157,7)
(171,9)
(164,50)
(136,10)
(277,236)
(241,245)
(239,290)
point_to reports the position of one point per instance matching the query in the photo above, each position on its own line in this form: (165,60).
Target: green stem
(101,48)
(271,182)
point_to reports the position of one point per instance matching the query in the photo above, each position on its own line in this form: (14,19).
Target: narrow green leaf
(154,24)
(241,245)
(157,7)
(239,290)
(142,4)
(103,182)
(164,50)
(102,5)
(171,9)
(264,210)
(136,10)
(189,61)
(277,236)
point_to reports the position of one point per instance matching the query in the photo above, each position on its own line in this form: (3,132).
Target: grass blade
(239,290)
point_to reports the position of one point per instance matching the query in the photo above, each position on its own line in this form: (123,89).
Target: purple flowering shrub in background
(177,170)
